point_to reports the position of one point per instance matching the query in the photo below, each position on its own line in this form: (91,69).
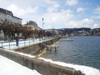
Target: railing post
(2,44)
(24,42)
(33,41)
(9,45)
(29,41)
(18,44)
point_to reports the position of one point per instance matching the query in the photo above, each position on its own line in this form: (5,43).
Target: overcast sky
(56,13)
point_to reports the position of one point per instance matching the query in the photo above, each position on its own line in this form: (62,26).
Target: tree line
(10,29)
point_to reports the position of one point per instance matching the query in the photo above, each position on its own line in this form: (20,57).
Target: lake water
(84,50)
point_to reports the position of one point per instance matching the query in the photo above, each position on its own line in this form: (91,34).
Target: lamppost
(42,25)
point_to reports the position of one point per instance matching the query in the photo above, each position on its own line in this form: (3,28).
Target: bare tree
(4,27)
(10,29)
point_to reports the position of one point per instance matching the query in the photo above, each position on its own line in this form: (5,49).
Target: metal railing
(9,44)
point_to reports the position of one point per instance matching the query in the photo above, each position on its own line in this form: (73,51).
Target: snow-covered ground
(22,43)
(9,67)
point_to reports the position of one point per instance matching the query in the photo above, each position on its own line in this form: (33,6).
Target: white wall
(9,18)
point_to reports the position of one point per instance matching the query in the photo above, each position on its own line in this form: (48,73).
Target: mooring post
(50,48)
(55,49)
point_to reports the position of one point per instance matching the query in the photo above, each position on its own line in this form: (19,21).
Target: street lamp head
(42,18)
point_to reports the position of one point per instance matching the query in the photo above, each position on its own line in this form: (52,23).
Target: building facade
(32,25)
(8,15)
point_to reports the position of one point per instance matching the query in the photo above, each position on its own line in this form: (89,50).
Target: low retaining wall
(41,66)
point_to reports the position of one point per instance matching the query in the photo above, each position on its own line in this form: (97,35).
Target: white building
(8,15)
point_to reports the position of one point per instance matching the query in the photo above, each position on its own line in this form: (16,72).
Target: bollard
(55,49)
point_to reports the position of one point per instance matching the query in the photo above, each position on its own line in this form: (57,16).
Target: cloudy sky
(56,13)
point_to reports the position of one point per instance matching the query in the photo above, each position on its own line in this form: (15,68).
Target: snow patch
(9,67)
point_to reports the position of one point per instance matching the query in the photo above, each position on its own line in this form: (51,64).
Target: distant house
(8,15)
(32,25)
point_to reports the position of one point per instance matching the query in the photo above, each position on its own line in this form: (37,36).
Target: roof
(7,12)
(4,11)
(31,23)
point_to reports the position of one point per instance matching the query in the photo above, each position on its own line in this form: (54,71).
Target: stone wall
(33,49)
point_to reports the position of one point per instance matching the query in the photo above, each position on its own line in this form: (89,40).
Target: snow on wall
(84,69)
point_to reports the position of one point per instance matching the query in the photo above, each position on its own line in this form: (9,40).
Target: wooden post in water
(50,48)
(55,49)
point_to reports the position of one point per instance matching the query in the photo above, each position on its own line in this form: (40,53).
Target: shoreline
(48,66)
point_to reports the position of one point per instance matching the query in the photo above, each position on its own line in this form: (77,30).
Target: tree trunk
(5,35)
(12,35)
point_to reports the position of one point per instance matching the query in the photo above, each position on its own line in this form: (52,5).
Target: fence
(12,44)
